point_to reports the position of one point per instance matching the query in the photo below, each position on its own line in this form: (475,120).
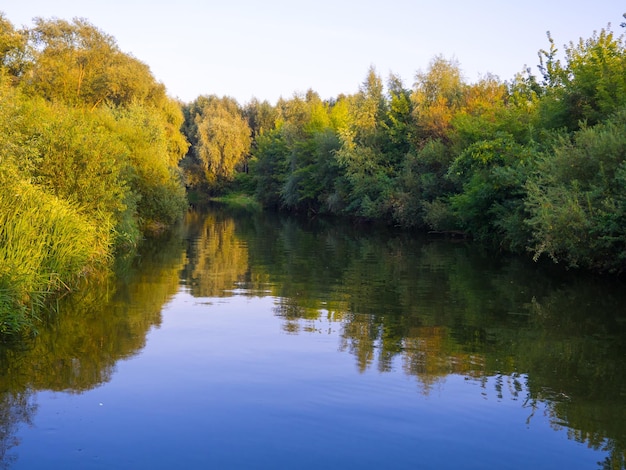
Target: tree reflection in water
(86,335)
(433,309)
(16,408)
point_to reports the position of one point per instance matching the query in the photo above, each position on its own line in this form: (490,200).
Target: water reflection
(552,341)
(16,408)
(435,310)
(78,348)
(218,258)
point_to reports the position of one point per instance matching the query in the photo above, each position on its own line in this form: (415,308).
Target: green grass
(239,201)
(46,246)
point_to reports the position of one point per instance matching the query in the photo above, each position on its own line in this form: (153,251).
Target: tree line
(535,164)
(94,154)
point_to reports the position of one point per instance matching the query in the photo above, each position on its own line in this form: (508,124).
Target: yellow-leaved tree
(220,137)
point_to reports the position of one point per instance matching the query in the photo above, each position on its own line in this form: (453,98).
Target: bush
(577,201)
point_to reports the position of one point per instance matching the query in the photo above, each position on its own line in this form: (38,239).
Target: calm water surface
(252,341)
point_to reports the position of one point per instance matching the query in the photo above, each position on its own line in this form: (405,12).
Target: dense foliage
(535,164)
(220,141)
(89,152)
(92,155)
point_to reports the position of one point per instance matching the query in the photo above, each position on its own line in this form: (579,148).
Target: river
(255,341)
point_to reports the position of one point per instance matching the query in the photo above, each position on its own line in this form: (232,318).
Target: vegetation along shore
(94,155)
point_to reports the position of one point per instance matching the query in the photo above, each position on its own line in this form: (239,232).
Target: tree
(398,124)
(368,174)
(576,198)
(588,86)
(421,182)
(261,116)
(269,167)
(152,171)
(296,162)
(13,48)
(80,65)
(489,205)
(437,95)
(220,137)
(79,158)
(481,112)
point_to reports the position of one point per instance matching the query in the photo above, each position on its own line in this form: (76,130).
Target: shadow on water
(433,308)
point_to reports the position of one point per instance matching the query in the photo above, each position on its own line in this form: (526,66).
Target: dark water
(246,341)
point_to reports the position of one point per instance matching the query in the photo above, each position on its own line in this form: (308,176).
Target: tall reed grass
(46,246)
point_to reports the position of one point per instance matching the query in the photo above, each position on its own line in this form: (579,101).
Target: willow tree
(261,116)
(78,64)
(12,48)
(220,137)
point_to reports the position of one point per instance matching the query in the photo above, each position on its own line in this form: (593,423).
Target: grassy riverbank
(238,201)
(88,161)
(46,246)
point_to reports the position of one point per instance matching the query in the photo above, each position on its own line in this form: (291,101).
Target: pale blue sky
(272,48)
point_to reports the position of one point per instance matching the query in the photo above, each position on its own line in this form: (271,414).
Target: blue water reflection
(253,343)
(221,385)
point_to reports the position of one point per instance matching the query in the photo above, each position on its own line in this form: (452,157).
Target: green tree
(588,85)
(368,175)
(261,116)
(89,147)
(398,124)
(312,168)
(420,184)
(220,137)
(296,161)
(152,171)
(78,64)
(79,159)
(269,167)
(490,203)
(576,198)
(481,113)
(437,96)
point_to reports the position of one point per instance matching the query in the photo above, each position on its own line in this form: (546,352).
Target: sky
(275,48)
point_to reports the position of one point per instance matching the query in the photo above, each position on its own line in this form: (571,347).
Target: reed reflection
(86,335)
